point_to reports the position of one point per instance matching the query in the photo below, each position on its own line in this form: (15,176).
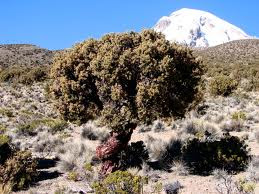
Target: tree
(125,79)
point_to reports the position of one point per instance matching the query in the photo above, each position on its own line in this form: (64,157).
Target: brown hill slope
(240,56)
(24,55)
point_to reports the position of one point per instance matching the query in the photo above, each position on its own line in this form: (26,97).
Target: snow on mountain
(198,28)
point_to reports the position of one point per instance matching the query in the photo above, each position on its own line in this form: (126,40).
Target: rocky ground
(28,115)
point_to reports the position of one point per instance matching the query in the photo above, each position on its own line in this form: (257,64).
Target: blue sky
(57,24)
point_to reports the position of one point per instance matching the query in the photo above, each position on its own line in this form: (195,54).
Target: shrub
(134,155)
(156,148)
(172,152)
(92,132)
(3,129)
(56,125)
(11,74)
(180,168)
(73,176)
(19,170)
(232,125)
(222,85)
(5,148)
(74,156)
(157,187)
(6,112)
(120,182)
(88,167)
(35,74)
(125,79)
(229,153)
(172,188)
(239,116)
(24,75)
(46,144)
(227,184)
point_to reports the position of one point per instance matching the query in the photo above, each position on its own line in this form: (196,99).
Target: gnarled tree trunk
(108,152)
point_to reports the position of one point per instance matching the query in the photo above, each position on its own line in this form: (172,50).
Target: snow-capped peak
(198,28)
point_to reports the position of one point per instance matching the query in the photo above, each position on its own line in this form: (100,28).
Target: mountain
(197,28)
(24,54)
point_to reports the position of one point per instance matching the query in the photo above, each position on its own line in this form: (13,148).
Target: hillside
(238,51)
(66,152)
(24,54)
(239,56)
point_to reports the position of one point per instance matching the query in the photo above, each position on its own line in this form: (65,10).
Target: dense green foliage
(229,153)
(120,182)
(222,85)
(126,78)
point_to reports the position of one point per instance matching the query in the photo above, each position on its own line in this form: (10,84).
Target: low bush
(172,188)
(74,156)
(92,132)
(73,176)
(35,74)
(229,153)
(227,184)
(172,152)
(134,155)
(11,74)
(239,116)
(179,168)
(222,85)
(6,112)
(24,75)
(18,171)
(120,182)
(2,129)
(232,125)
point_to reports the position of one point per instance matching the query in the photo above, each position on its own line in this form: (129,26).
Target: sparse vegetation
(227,184)
(54,125)
(238,59)
(24,55)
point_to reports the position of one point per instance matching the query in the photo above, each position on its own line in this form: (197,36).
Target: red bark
(108,151)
